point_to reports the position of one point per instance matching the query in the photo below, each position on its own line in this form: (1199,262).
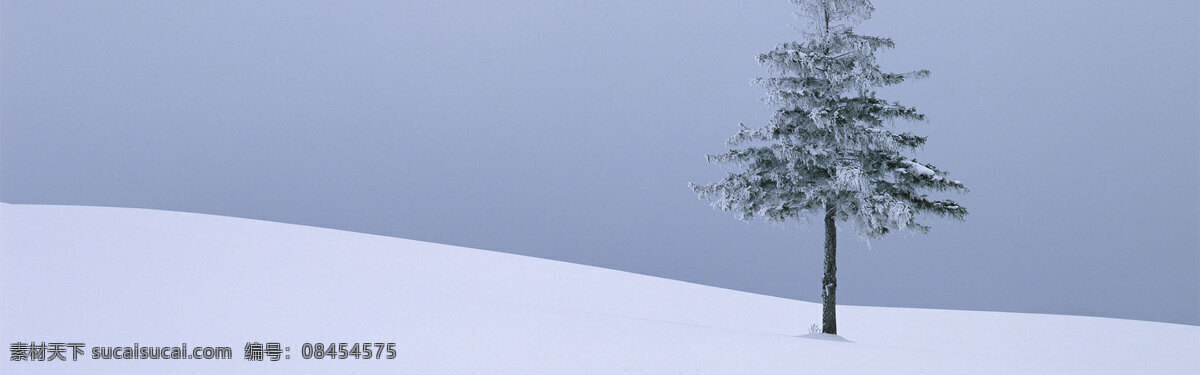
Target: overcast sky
(570,129)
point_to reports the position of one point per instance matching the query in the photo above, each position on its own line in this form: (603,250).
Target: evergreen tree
(830,148)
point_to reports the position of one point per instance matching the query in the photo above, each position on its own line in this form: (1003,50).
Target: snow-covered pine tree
(830,148)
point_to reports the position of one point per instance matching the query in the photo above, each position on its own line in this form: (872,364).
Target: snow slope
(117,276)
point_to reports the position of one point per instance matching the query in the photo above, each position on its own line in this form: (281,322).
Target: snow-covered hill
(117,276)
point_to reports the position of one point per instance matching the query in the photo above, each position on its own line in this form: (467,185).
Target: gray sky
(570,129)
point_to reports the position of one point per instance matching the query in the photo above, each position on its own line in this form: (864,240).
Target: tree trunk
(829,282)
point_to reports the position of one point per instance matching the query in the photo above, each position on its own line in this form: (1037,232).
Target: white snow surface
(920,169)
(118,276)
